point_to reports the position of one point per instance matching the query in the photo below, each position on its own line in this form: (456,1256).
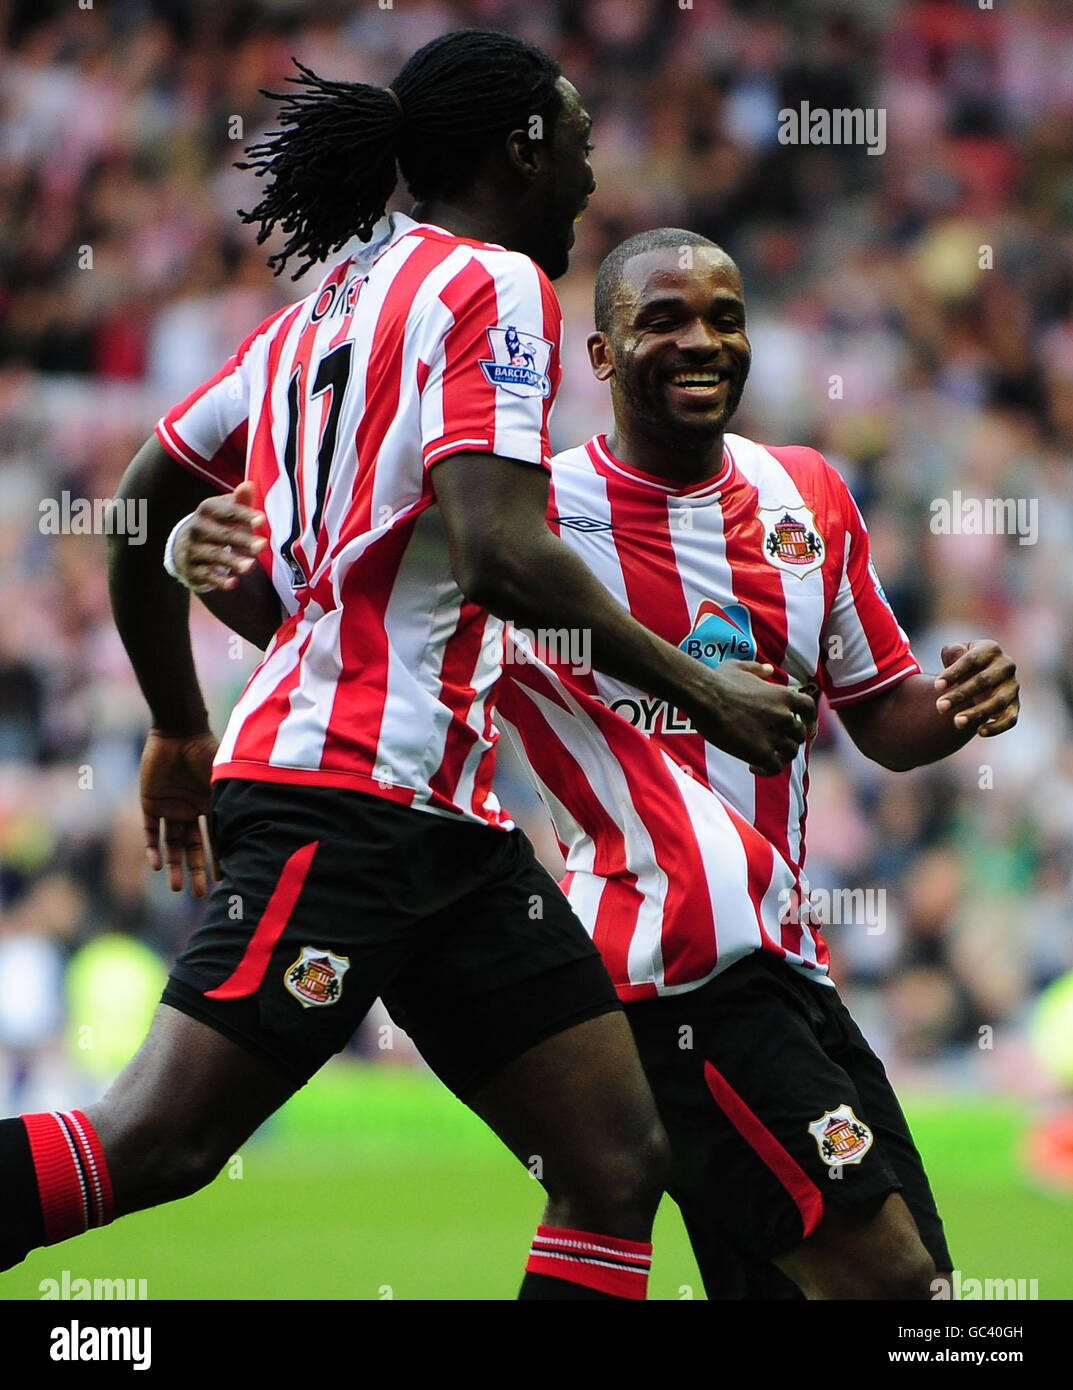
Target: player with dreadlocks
(392,427)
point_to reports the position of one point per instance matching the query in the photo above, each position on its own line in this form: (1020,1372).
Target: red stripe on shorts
(806,1195)
(250,970)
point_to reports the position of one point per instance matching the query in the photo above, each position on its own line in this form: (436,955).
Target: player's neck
(680,462)
(464,219)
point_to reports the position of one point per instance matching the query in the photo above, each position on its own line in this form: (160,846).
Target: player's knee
(188,1168)
(907,1277)
(912,1279)
(632,1176)
(154,1162)
(658,1164)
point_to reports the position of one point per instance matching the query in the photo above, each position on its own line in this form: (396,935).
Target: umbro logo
(583,523)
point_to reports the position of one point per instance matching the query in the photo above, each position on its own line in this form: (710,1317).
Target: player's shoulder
(501,260)
(795,476)
(507,268)
(577,458)
(811,473)
(265,329)
(799,460)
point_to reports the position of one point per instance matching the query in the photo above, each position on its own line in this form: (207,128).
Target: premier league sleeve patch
(520,362)
(841,1137)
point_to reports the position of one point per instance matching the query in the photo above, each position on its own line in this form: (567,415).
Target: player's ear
(601,355)
(527,155)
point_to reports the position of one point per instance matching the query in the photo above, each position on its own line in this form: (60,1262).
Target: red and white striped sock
(72,1175)
(610,1265)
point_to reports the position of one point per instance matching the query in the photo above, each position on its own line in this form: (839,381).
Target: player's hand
(176,770)
(751,717)
(979,684)
(219,543)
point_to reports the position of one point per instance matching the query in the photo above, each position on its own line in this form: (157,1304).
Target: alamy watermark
(76,1289)
(957,1286)
(836,907)
(958,515)
(569,647)
(77,1343)
(815,125)
(97,516)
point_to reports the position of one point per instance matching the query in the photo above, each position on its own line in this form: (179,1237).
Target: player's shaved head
(612,282)
(671,341)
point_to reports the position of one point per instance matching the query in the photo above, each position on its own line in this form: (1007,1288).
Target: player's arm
(925,718)
(199,448)
(152,614)
(215,550)
(151,611)
(506,559)
(896,715)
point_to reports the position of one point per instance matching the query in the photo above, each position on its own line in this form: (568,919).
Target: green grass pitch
(374,1182)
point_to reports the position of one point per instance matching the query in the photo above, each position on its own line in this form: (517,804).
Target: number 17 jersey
(414,347)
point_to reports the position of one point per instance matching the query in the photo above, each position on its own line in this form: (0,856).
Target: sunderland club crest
(316,977)
(792,542)
(841,1137)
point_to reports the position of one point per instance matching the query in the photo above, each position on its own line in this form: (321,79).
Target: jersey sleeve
(491,363)
(207,431)
(863,649)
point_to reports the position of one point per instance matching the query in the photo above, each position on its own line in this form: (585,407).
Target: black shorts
(777,1109)
(330,898)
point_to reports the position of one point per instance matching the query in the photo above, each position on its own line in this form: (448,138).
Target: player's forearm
(151,610)
(901,728)
(543,584)
(252,608)
(505,558)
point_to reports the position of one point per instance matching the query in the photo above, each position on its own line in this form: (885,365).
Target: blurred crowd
(911,315)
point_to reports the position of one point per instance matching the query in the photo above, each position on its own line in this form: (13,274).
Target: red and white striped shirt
(679,860)
(415,346)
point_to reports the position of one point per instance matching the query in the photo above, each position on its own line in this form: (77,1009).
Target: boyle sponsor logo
(651,715)
(718,635)
(721,634)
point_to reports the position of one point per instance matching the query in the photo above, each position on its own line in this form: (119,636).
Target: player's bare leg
(864,1256)
(187,1100)
(578,1103)
(181,1107)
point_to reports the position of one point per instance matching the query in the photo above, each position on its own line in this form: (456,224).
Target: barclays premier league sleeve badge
(520,362)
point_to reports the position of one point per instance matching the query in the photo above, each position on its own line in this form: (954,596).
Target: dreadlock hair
(332,166)
(614,263)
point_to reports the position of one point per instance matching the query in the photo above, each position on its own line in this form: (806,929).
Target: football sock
(578,1265)
(56,1182)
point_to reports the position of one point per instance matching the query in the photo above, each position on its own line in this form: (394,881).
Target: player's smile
(702,387)
(704,391)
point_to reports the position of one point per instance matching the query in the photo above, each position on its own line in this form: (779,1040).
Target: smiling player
(789,1144)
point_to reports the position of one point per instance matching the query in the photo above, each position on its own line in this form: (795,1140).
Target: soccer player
(687,868)
(394,424)
(788,1142)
